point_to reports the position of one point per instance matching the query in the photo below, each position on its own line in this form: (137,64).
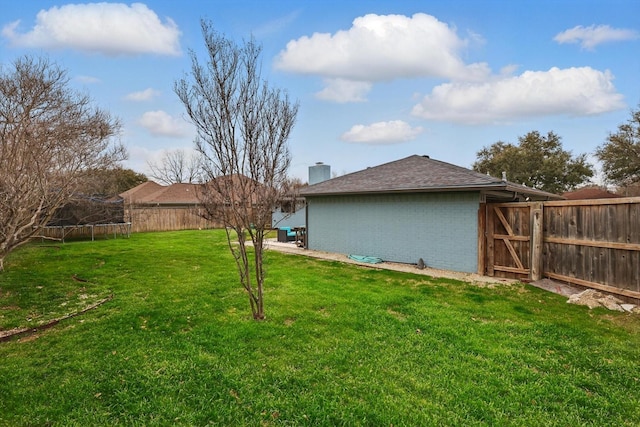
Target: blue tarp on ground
(367,259)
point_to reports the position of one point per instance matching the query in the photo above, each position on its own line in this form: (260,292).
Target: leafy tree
(620,155)
(51,139)
(537,161)
(175,167)
(111,182)
(125,179)
(243,126)
(96,200)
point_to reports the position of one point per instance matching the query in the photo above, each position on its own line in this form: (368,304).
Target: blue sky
(376,80)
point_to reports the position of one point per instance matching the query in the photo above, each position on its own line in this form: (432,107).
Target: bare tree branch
(243,126)
(176,166)
(51,138)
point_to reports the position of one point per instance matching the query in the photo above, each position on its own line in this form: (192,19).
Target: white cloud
(508,70)
(144,95)
(159,123)
(590,37)
(392,132)
(140,157)
(572,91)
(88,79)
(341,90)
(382,48)
(108,28)
(275,26)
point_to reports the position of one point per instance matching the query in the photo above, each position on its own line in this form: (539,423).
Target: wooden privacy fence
(592,243)
(146,218)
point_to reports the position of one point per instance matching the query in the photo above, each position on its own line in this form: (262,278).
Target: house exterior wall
(296,219)
(440,228)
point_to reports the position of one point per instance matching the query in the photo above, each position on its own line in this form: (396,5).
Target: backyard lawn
(342,344)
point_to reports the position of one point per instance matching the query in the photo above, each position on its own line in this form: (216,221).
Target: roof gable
(141,191)
(153,193)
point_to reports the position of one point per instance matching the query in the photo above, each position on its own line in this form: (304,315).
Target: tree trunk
(243,126)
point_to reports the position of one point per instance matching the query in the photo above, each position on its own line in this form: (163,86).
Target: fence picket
(594,243)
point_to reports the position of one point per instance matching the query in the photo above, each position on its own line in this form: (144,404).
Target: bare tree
(242,130)
(175,167)
(291,201)
(51,138)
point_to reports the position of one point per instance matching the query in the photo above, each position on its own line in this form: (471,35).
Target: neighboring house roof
(151,193)
(421,174)
(175,194)
(141,191)
(589,193)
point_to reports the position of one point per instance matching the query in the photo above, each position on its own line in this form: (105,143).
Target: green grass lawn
(342,345)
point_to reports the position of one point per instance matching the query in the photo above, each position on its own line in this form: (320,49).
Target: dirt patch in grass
(592,299)
(8,334)
(587,297)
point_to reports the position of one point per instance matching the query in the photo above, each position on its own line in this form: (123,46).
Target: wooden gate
(591,243)
(509,228)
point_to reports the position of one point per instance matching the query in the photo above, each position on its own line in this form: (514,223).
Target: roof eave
(532,192)
(499,186)
(435,189)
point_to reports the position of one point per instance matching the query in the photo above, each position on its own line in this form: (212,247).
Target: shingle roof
(589,193)
(141,191)
(416,174)
(175,193)
(153,193)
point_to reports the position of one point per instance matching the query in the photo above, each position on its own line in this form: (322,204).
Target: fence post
(537,236)
(482,239)
(490,262)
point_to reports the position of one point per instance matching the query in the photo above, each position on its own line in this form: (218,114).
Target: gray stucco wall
(440,228)
(297,219)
